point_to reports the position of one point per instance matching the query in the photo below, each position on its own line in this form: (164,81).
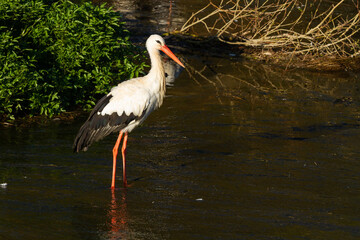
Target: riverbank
(212,46)
(321,36)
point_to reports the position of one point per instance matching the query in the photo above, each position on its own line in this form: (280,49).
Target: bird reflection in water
(117,215)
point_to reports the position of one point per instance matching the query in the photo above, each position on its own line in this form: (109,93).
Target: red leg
(123,158)
(115,152)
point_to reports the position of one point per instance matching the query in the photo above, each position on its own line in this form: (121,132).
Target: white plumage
(141,100)
(127,105)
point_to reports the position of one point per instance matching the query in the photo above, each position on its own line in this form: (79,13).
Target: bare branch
(280,25)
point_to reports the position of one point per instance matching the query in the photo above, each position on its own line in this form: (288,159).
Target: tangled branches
(292,26)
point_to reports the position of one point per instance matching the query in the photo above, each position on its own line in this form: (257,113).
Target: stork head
(156,43)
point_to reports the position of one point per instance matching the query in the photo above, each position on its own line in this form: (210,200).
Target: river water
(239,150)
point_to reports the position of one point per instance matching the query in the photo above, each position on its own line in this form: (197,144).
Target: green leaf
(59,57)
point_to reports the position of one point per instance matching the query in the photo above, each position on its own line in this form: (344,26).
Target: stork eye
(158,42)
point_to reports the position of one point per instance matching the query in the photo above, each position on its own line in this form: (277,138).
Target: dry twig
(292,26)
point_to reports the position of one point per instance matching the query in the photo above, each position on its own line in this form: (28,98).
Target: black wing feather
(98,126)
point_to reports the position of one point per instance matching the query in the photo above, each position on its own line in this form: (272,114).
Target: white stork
(127,105)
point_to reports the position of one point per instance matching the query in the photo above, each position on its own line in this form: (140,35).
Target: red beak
(168,52)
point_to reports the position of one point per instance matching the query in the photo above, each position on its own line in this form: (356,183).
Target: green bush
(57,57)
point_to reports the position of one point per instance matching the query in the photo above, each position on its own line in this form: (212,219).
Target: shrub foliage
(56,57)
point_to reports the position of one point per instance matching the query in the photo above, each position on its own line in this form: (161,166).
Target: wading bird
(127,105)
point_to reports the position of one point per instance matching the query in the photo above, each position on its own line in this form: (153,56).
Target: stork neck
(156,76)
(157,73)
(156,64)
